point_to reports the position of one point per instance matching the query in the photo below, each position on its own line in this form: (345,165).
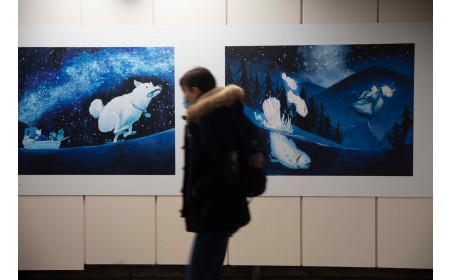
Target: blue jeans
(208,254)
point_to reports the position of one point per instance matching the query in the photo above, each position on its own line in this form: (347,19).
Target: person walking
(214,205)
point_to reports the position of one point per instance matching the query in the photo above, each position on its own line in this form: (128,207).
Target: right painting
(330,109)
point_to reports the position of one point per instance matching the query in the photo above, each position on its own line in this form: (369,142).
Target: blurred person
(214,205)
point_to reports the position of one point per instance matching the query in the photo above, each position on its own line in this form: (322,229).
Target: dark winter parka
(212,197)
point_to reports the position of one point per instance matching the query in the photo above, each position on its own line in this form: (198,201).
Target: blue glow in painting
(330,109)
(96,111)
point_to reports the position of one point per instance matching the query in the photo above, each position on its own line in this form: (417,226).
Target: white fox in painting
(119,114)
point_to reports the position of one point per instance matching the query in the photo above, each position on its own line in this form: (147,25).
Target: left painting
(96,111)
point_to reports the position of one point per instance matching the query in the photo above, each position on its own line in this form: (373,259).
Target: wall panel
(338,231)
(173,243)
(189,12)
(273,235)
(120,229)
(49,12)
(339,11)
(263,12)
(117,12)
(405,232)
(51,235)
(406,10)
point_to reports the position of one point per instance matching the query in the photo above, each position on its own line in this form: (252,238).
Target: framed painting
(330,109)
(96,111)
(346,108)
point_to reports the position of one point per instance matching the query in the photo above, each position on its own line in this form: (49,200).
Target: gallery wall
(93,64)
(65,232)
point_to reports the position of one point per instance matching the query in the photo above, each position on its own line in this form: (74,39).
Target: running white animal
(119,114)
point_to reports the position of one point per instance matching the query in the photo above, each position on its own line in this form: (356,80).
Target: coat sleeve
(218,139)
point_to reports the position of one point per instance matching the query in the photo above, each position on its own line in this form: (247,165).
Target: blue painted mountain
(311,88)
(150,155)
(337,99)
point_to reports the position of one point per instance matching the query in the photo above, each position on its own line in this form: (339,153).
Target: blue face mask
(185,103)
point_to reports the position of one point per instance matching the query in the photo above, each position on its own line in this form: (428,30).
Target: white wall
(65,232)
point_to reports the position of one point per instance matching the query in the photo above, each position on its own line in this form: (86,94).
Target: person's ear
(196,91)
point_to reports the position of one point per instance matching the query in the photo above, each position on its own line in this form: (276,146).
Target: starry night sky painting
(330,109)
(96,111)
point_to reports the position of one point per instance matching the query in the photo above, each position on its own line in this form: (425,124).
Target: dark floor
(177,272)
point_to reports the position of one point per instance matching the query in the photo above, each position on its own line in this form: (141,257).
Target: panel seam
(156,231)
(376,231)
(226,12)
(301,11)
(153,12)
(84,229)
(378,11)
(81,17)
(301,231)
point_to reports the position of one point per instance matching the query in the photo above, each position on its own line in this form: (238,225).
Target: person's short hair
(199,77)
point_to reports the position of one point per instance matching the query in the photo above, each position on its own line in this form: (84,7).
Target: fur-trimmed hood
(214,99)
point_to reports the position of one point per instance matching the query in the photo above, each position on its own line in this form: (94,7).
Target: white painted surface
(117,12)
(338,231)
(189,12)
(405,232)
(173,242)
(263,12)
(120,230)
(273,235)
(51,233)
(406,10)
(339,11)
(49,12)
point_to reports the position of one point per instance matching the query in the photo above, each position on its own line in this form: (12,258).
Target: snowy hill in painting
(150,155)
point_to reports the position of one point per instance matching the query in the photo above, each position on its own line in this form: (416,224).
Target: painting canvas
(96,110)
(330,109)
